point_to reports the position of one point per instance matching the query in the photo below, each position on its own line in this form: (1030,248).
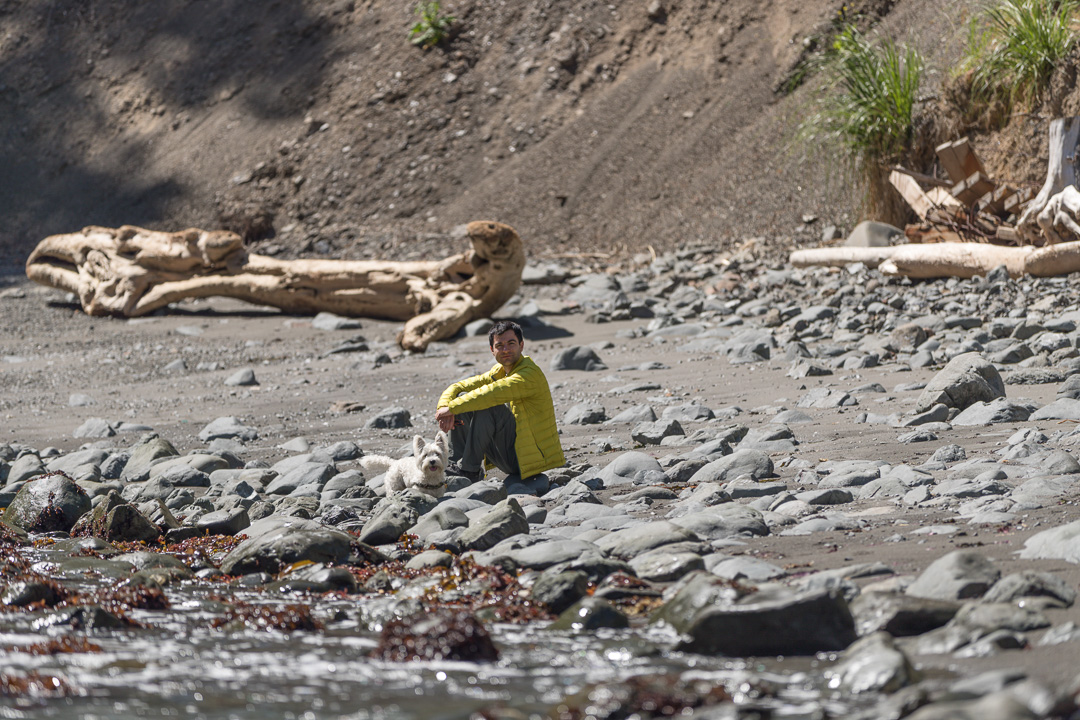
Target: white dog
(425,470)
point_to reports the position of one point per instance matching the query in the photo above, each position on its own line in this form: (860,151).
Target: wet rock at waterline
(47,503)
(716,616)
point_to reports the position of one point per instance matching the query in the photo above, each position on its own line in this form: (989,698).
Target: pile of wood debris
(973,224)
(968,207)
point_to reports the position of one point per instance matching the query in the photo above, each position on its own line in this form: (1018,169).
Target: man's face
(507,349)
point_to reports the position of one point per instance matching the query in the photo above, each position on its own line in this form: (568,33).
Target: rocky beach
(790,493)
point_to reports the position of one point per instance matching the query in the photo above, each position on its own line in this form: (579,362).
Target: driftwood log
(131,271)
(937,260)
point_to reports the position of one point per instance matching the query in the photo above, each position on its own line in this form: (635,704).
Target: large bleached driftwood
(1062,171)
(1058,218)
(131,271)
(938,260)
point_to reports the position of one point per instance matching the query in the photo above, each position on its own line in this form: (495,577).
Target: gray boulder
(691,412)
(24,467)
(242,378)
(308,474)
(49,503)
(94,428)
(1060,543)
(486,491)
(634,414)
(662,566)
(713,616)
(389,522)
(1064,408)
(125,523)
(872,664)
(1001,410)
(870,233)
(223,522)
(504,520)
(577,358)
(967,379)
(330,321)
(745,568)
(960,575)
(652,433)
(900,615)
(559,590)
(149,450)
(227,427)
(633,541)
(548,553)
(590,613)
(631,468)
(994,706)
(585,413)
(440,519)
(724,521)
(755,463)
(73,464)
(390,418)
(1030,584)
(277,541)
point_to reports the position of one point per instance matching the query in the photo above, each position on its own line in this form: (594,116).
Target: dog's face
(431,457)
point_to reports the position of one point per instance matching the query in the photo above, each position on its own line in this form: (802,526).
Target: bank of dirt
(316,128)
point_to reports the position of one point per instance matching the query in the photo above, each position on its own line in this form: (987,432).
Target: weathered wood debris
(972,223)
(132,271)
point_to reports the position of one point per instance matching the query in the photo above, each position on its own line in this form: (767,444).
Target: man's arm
(464,386)
(496,392)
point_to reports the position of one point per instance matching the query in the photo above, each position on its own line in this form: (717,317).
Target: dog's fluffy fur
(425,470)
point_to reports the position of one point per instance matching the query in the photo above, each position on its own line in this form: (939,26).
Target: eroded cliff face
(315,127)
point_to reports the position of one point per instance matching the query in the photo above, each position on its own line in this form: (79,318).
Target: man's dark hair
(502,326)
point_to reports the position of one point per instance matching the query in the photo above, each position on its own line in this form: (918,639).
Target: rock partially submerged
(718,617)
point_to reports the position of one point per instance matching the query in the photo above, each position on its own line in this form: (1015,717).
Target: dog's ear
(417,445)
(441,439)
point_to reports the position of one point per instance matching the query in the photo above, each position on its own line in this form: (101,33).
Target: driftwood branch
(1061,172)
(131,271)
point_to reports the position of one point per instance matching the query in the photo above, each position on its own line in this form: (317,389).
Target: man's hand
(445,418)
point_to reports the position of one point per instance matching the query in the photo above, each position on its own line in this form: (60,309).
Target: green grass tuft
(1015,45)
(868,108)
(433,27)
(877,87)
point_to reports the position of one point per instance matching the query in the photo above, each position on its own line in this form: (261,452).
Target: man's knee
(487,420)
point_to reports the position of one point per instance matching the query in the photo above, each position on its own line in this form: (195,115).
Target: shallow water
(180,667)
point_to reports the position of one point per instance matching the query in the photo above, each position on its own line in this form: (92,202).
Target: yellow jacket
(526,390)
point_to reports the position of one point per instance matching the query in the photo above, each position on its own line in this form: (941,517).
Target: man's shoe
(471,475)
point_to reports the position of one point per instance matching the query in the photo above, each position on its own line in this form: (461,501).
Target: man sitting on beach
(504,416)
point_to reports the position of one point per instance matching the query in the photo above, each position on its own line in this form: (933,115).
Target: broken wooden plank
(973,187)
(993,202)
(927,234)
(923,177)
(944,200)
(1013,203)
(1007,234)
(912,193)
(958,159)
